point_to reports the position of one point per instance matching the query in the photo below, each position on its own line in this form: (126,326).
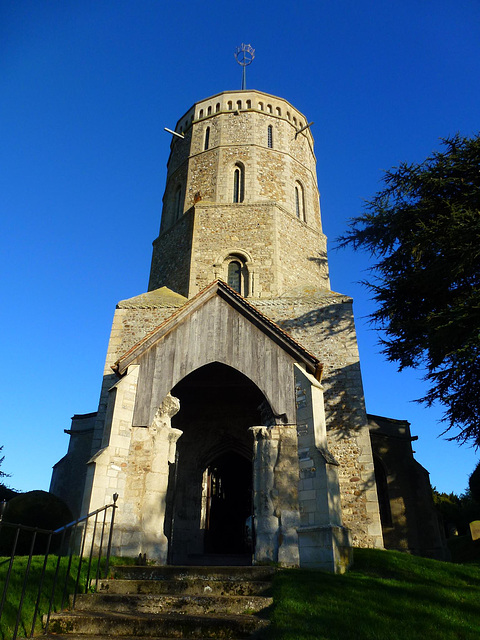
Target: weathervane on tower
(244,55)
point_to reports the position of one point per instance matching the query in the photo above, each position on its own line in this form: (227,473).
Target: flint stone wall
(325,326)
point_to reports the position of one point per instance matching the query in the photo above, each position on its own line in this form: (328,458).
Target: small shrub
(33,509)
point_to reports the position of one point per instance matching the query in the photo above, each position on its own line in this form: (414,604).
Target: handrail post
(110,534)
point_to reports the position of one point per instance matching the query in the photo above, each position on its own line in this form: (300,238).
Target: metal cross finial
(244,55)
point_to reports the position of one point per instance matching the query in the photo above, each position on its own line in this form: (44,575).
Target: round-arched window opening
(234,276)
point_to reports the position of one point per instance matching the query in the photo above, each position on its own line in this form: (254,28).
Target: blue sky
(86,89)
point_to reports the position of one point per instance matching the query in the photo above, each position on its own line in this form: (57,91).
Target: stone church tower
(232,397)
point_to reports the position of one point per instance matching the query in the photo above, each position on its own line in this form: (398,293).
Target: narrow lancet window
(299,202)
(238,183)
(178,202)
(270,136)
(207,138)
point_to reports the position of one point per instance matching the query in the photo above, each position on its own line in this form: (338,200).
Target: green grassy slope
(386,596)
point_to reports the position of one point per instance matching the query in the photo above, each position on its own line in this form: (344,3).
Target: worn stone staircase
(163,603)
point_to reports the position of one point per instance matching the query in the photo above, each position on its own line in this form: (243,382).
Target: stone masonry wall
(257,230)
(326,328)
(171,256)
(220,231)
(302,254)
(169,214)
(201,183)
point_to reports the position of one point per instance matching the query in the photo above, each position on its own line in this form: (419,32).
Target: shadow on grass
(387,596)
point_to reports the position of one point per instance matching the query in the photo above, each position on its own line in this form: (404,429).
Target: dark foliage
(423,229)
(6,493)
(474,484)
(2,473)
(456,511)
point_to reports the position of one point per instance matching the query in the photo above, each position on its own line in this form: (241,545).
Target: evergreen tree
(474,483)
(423,230)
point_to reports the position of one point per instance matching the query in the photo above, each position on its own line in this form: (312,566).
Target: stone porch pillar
(265,522)
(151,451)
(275,494)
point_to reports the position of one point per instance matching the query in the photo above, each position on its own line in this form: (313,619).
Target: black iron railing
(73,557)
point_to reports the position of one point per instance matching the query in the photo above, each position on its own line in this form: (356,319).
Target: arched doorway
(228,505)
(210,490)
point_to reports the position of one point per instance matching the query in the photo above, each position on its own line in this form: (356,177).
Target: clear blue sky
(85,91)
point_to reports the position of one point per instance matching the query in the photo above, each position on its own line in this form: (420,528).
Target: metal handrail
(69,530)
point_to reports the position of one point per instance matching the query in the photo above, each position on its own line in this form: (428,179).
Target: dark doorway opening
(210,492)
(228,505)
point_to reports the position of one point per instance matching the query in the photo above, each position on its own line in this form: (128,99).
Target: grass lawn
(8,621)
(386,595)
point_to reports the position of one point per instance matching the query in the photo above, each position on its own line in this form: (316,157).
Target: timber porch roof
(240,304)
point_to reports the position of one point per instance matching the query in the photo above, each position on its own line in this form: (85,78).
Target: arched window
(209,111)
(217,107)
(278,111)
(236,269)
(239,104)
(249,104)
(178,203)
(200,115)
(270,136)
(238,183)
(207,138)
(299,202)
(234,276)
(288,115)
(294,121)
(260,106)
(230,105)
(269,108)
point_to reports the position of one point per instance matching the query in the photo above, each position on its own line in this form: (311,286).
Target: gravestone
(475,530)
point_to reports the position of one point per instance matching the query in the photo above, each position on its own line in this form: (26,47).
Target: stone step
(147,626)
(193,586)
(170,572)
(194,605)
